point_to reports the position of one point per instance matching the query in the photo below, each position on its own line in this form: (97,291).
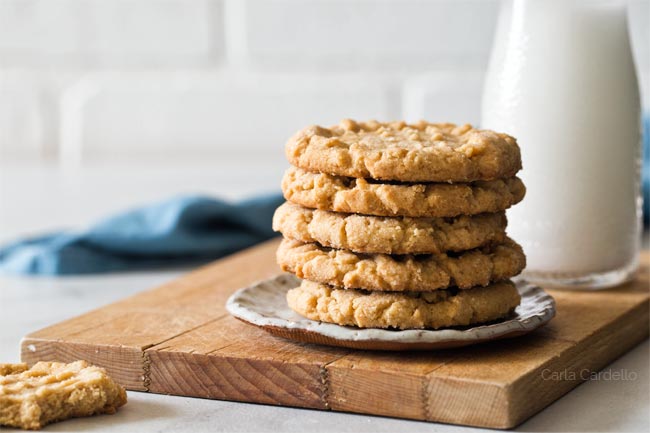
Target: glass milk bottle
(562,81)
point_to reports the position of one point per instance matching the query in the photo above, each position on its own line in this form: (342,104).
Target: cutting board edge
(130,370)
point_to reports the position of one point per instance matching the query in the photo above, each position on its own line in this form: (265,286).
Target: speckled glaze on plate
(264,305)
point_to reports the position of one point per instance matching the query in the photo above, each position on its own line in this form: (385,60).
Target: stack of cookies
(396,225)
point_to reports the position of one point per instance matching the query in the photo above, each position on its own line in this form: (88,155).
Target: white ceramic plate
(264,305)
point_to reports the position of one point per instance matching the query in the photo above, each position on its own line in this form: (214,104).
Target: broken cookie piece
(53,391)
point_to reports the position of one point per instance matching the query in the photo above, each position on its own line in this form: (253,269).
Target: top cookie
(397,151)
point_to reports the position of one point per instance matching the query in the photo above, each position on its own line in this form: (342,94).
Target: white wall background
(216,80)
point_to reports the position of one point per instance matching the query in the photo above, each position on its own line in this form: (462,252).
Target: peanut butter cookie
(54,391)
(404,310)
(419,152)
(342,268)
(351,195)
(388,235)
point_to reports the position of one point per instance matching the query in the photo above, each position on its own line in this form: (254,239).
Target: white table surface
(33,199)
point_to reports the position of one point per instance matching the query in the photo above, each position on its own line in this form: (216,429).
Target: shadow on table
(134,412)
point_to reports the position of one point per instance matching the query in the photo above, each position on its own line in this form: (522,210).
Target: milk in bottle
(562,81)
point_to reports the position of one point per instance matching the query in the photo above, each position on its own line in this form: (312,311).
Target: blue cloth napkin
(175,232)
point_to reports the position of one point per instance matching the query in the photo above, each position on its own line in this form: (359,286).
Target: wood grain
(227,359)
(178,339)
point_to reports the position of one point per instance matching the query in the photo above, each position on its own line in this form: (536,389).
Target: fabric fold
(179,231)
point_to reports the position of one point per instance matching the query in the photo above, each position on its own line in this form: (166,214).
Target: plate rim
(480,333)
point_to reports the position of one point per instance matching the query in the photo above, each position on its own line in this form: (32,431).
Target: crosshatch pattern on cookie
(388,235)
(417,152)
(478,267)
(403,310)
(351,195)
(31,398)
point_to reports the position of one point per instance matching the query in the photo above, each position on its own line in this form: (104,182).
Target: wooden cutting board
(178,339)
